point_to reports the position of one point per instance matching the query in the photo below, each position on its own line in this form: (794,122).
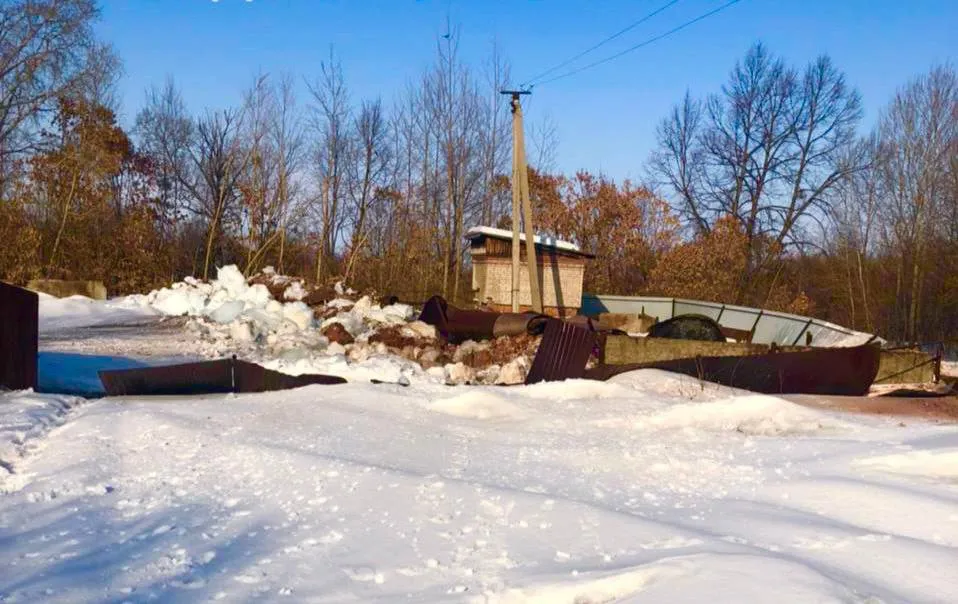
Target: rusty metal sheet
(19,320)
(563,352)
(251,377)
(846,371)
(206,377)
(458,325)
(434,313)
(462,325)
(513,324)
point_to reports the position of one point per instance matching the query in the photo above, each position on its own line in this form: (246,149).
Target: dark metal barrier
(563,352)
(848,371)
(19,318)
(207,377)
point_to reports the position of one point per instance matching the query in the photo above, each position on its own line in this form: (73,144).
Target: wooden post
(527,220)
(520,194)
(516,201)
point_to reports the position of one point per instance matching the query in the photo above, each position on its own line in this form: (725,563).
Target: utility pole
(521,203)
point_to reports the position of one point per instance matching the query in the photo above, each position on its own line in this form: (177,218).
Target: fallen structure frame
(205,377)
(754,325)
(845,371)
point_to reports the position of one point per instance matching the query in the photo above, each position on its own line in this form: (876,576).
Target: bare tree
(288,138)
(329,122)
(455,108)
(678,161)
(416,177)
(101,77)
(369,172)
(769,151)
(917,144)
(850,232)
(164,131)
(45,51)
(274,135)
(544,139)
(495,134)
(218,160)
(823,148)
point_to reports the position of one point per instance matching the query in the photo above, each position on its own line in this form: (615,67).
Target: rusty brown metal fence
(19,321)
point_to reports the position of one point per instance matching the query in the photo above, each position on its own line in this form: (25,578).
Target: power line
(600,44)
(641,44)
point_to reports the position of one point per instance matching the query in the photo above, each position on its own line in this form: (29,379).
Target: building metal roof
(541,241)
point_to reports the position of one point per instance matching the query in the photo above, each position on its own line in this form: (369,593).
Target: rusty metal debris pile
(290,328)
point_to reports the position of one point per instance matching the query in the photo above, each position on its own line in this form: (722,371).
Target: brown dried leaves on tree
(626,227)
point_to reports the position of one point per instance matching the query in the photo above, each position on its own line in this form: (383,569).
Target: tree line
(764,193)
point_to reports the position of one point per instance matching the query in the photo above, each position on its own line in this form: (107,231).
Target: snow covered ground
(60,314)
(646,488)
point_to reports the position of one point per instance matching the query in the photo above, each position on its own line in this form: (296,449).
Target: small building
(561,271)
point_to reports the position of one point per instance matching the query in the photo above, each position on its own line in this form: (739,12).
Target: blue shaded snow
(70,373)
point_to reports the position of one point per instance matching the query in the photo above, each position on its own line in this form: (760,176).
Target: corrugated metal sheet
(768,327)
(563,352)
(19,320)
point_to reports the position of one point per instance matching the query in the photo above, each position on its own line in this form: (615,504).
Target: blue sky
(605,116)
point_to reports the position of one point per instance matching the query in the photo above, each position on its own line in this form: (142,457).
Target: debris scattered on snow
(514,372)
(270,319)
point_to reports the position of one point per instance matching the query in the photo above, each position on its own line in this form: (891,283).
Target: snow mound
(363,317)
(690,578)
(657,382)
(599,587)
(247,312)
(568,390)
(750,414)
(942,463)
(79,311)
(225,299)
(477,404)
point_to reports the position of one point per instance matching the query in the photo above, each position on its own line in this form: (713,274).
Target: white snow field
(646,488)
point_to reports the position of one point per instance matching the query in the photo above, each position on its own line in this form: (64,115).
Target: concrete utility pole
(520,199)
